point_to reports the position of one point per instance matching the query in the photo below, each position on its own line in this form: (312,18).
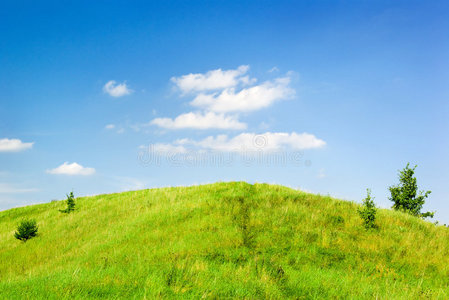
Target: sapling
(405,195)
(368,211)
(26,230)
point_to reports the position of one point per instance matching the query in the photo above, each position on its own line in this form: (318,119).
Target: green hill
(217,241)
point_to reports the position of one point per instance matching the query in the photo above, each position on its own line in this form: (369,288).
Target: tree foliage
(405,195)
(26,230)
(368,211)
(70,203)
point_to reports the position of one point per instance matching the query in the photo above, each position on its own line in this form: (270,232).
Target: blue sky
(332,96)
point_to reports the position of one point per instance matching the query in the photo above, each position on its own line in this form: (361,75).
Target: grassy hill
(220,240)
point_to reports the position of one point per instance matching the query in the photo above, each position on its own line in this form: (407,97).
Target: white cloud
(244,142)
(197,120)
(13,145)
(220,95)
(212,80)
(6,188)
(269,141)
(71,169)
(247,99)
(109,126)
(115,89)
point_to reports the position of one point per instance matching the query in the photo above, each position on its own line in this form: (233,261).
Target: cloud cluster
(269,141)
(13,145)
(244,142)
(221,96)
(71,169)
(115,89)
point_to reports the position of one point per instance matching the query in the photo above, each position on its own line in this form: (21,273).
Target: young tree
(70,203)
(368,211)
(405,195)
(26,230)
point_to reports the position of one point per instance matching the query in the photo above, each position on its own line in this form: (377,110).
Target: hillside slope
(220,240)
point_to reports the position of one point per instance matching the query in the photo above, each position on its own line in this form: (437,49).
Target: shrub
(405,195)
(368,211)
(70,203)
(26,230)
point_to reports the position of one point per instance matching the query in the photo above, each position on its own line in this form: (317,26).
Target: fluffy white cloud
(13,145)
(244,142)
(109,126)
(197,120)
(269,141)
(212,80)
(221,95)
(247,99)
(71,169)
(115,89)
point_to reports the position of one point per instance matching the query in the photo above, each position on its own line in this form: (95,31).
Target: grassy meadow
(223,240)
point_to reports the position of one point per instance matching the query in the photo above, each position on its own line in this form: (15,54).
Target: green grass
(220,240)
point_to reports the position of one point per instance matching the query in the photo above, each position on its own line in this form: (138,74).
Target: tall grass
(217,241)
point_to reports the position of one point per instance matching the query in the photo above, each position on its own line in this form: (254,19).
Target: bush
(368,211)
(70,203)
(405,195)
(26,230)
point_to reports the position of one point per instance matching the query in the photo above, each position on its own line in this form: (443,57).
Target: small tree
(70,203)
(405,195)
(26,230)
(368,211)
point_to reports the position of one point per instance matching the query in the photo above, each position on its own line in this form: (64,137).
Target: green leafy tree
(368,211)
(70,203)
(405,195)
(26,230)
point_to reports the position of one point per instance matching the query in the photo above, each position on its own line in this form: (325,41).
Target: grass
(217,241)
